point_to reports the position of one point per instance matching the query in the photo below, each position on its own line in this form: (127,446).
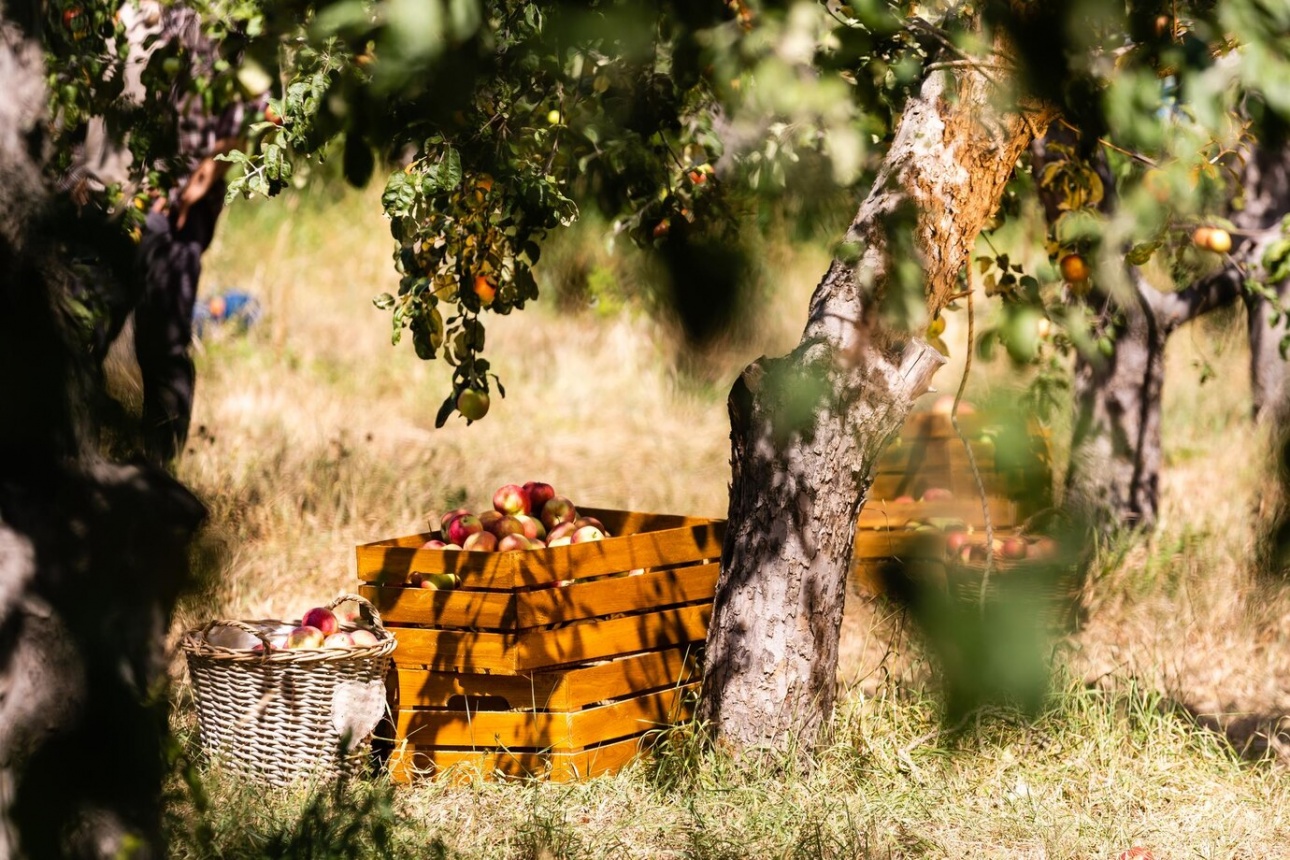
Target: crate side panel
(560,690)
(598,639)
(409,763)
(448,650)
(461,607)
(564,731)
(392,565)
(654,589)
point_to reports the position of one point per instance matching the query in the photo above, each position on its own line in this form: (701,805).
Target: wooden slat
(487,610)
(893,486)
(595,640)
(618,595)
(642,540)
(886,514)
(557,731)
(409,763)
(914,454)
(452,649)
(560,690)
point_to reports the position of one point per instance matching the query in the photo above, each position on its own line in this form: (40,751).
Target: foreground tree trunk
(807,428)
(92,556)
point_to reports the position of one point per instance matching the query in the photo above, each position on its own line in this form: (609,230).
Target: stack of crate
(560,662)
(924,478)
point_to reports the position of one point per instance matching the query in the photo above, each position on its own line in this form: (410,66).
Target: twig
(1136,156)
(965,64)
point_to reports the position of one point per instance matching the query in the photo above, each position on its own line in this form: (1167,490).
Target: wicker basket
(278,715)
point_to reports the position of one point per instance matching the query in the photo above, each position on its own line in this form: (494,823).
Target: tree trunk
(1265,180)
(806,429)
(92,556)
(1113,479)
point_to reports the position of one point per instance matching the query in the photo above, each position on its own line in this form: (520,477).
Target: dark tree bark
(92,555)
(1265,182)
(1113,479)
(807,428)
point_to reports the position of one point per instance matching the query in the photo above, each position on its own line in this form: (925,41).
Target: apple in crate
(305,636)
(508,525)
(463,527)
(936,494)
(363,638)
(433,543)
(511,499)
(533,528)
(433,581)
(556,511)
(563,530)
(447,518)
(481,542)
(340,639)
(321,618)
(580,522)
(490,519)
(513,542)
(588,533)
(539,494)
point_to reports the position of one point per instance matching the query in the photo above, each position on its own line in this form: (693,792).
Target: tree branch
(1202,296)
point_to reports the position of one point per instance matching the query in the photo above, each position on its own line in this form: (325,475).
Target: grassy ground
(311,434)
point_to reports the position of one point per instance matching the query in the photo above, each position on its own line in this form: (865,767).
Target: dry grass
(313,435)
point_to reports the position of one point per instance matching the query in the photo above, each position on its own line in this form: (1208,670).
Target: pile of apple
(968,546)
(531,516)
(319,628)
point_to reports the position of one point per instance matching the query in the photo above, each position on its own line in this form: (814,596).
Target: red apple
(936,494)
(903,500)
(339,640)
(512,542)
(305,636)
(955,541)
(512,499)
(587,534)
(481,542)
(439,581)
(449,517)
(1043,547)
(591,521)
(433,543)
(563,540)
(322,619)
(539,495)
(463,527)
(556,511)
(533,527)
(508,525)
(561,530)
(364,638)
(490,519)
(1014,548)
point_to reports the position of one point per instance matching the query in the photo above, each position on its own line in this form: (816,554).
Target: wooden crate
(511,673)
(1015,471)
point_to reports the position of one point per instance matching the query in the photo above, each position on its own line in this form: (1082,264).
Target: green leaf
(449,406)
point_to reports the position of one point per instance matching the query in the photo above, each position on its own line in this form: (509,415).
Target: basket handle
(364,603)
(237,625)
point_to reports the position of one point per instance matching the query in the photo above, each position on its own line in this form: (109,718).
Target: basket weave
(280,715)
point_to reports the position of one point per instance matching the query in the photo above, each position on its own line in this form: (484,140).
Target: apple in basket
(362,638)
(322,619)
(305,636)
(339,640)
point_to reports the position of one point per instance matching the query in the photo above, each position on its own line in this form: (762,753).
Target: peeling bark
(806,429)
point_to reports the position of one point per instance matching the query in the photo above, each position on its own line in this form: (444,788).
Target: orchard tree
(499,120)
